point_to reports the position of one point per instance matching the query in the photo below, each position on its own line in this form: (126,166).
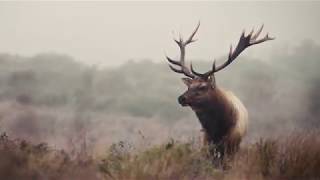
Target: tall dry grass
(21,160)
(296,156)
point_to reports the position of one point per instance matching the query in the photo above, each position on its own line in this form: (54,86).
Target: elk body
(223,117)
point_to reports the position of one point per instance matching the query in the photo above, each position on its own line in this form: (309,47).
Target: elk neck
(216,115)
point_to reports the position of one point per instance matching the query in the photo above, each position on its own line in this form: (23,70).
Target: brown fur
(221,114)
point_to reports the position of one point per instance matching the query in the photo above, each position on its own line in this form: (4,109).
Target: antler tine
(230,52)
(190,39)
(204,75)
(196,73)
(214,69)
(175,70)
(181,63)
(244,42)
(209,73)
(266,38)
(173,61)
(254,37)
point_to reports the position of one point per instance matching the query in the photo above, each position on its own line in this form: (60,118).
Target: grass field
(296,156)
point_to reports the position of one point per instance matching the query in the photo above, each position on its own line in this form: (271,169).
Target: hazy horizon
(110,33)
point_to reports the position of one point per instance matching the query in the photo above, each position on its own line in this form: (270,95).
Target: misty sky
(110,33)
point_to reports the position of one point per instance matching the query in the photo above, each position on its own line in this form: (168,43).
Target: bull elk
(223,117)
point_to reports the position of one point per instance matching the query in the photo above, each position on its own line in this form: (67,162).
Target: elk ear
(187,81)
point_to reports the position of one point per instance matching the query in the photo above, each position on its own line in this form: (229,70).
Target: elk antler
(244,42)
(181,63)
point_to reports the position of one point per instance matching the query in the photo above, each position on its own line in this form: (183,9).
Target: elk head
(201,86)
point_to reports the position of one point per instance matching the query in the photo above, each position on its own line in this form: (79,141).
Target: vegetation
(22,160)
(293,157)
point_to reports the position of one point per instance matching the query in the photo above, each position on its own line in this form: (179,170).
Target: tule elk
(223,117)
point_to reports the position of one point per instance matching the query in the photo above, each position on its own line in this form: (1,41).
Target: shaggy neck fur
(216,116)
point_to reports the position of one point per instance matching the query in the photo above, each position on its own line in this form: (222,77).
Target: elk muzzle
(183,100)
